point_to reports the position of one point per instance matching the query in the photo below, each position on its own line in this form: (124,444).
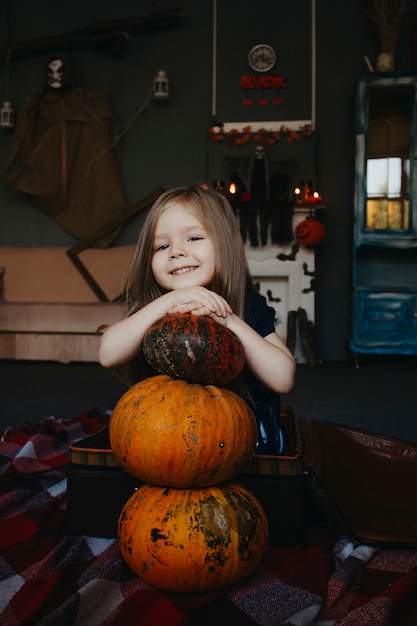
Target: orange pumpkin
(310,232)
(170,432)
(193,539)
(195,348)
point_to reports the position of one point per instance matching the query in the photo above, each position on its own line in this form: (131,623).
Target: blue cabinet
(384,276)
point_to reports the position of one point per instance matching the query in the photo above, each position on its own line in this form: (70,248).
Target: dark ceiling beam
(113,35)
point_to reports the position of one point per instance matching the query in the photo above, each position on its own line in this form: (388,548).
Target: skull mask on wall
(56,73)
(259,152)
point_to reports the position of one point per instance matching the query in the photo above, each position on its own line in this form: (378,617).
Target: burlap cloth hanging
(65,155)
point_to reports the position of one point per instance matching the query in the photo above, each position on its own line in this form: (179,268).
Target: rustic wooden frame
(104,230)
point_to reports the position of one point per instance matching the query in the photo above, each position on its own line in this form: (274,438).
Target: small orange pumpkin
(193,539)
(310,232)
(195,348)
(171,432)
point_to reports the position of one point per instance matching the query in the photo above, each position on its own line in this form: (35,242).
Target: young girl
(190,258)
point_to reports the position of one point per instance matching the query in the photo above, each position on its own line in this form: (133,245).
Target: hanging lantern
(7,115)
(310,232)
(161,86)
(6,111)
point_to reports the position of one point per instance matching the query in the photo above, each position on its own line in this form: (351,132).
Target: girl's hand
(199,301)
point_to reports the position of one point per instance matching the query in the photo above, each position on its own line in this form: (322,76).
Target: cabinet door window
(388,162)
(384,259)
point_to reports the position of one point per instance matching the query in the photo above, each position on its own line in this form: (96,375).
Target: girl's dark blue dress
(264,402)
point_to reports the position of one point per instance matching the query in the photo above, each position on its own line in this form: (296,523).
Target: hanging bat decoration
(271,298)
(289,257)
(313,280)
(307,272)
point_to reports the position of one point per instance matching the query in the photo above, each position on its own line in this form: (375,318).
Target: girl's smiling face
(183,252)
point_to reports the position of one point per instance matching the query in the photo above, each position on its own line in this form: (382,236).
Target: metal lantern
(161,86)
(6,111)
(7,115)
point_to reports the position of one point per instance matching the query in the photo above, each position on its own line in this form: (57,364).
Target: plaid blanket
(48,577)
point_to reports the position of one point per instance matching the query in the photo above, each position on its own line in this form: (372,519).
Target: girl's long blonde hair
(231,278)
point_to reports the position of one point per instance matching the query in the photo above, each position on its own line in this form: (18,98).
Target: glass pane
(383,177)
(387,214)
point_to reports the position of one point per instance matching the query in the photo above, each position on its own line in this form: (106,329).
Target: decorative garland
(261,135)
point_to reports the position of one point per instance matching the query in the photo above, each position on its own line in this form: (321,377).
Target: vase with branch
(388,16)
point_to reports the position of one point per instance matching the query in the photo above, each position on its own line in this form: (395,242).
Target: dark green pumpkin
(194,348)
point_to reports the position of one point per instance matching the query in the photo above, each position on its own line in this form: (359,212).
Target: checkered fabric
(48,577)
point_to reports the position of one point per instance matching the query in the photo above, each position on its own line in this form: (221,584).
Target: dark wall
(168,143)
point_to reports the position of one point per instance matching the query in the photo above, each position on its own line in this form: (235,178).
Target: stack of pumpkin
(181,432)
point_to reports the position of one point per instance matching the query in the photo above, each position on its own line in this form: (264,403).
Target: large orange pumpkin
(193,539)
(195,348)
(171,432)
